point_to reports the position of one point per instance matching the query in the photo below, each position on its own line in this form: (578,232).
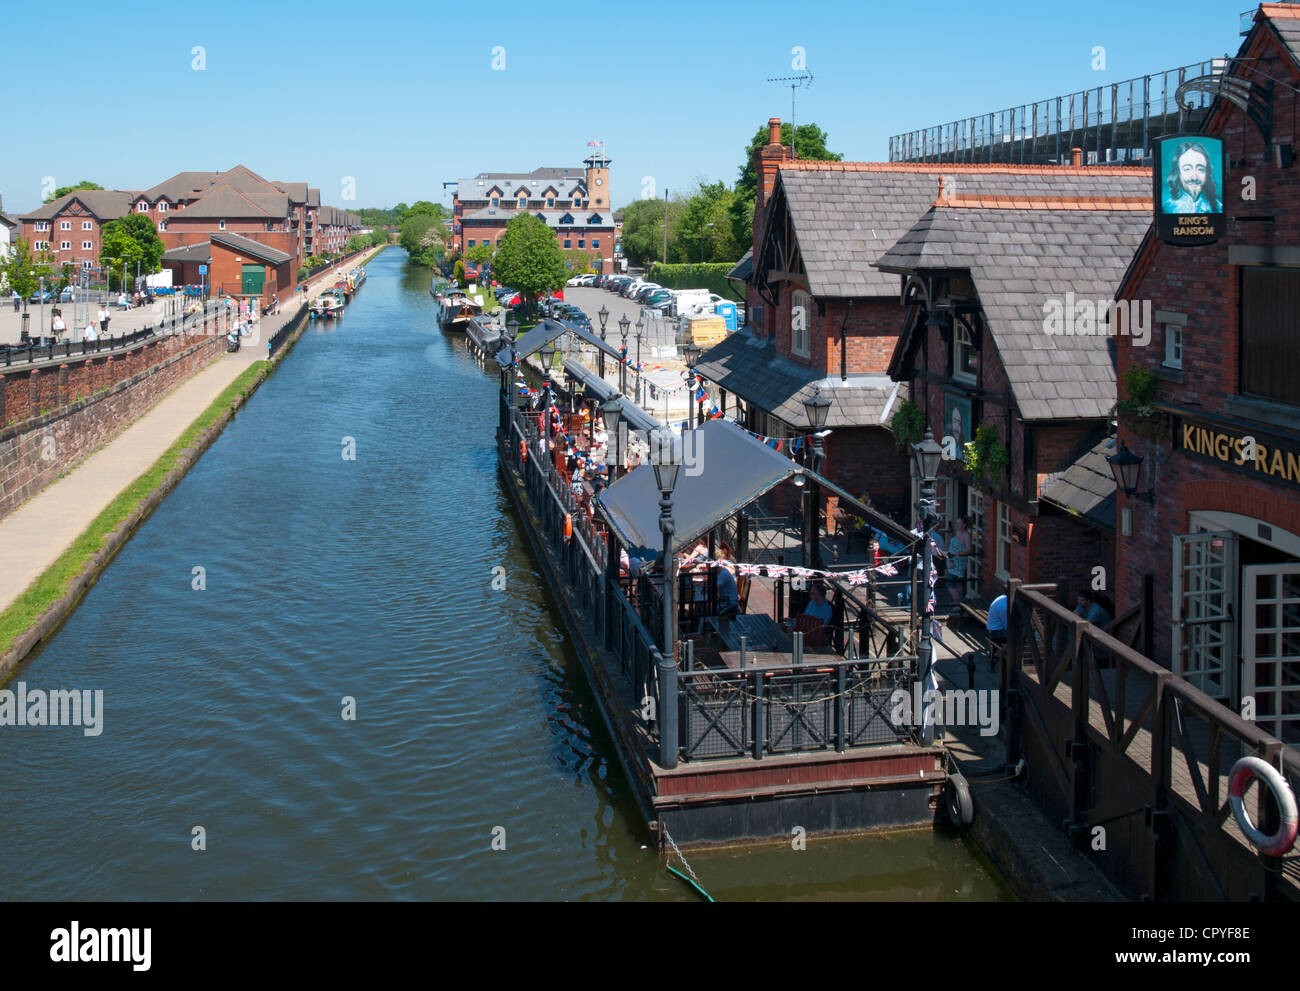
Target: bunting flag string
(856,576)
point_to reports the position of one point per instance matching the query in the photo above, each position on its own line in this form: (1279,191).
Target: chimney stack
(1076,156)
(774,130)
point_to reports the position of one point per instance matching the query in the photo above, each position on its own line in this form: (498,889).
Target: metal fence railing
(31,353)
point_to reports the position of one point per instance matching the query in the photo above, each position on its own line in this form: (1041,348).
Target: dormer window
(800,329)
(550,201)
(496,200)
(523,202)
(162,206)
(567,218)
(594,218)
(221,225)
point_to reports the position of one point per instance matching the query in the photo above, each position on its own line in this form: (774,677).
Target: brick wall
(55,418)
(1198,283)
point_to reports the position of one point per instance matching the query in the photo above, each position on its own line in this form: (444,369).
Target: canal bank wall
(53,616)
(59,415)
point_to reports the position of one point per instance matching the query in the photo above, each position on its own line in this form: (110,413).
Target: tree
(809,145)
(65,190)
(458,273)
(422,236)
(424,206)
(25,268)
(480,254)
(528,259)
(703,228)
(643,232)
(129,244)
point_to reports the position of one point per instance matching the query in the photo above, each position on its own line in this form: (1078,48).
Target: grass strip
(54,582)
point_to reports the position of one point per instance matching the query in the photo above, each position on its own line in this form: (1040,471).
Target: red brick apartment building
(188,207)
(575,203)
(1213,526)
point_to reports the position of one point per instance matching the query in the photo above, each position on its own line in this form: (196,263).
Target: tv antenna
(803,79)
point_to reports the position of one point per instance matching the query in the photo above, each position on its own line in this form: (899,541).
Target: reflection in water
(367,579)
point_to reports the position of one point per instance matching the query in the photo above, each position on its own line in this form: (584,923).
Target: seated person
(997,621)
(1090,609)
(818,605)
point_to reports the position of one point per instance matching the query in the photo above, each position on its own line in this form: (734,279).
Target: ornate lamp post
(692,355)
(927,455)
(613,411)
(547,353)
(604,317)
(816,409)
(623,325)
(640,329)
(666,456)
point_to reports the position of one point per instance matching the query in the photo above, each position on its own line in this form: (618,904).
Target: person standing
(103,319)
(17,300)
(89,334)
(959,550)
(57,326)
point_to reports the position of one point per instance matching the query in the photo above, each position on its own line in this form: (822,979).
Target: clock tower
(598,180)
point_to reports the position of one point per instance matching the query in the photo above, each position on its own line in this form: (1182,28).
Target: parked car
(576,281)
(41,296)
(68,295)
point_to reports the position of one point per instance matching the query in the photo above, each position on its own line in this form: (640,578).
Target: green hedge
(712,276)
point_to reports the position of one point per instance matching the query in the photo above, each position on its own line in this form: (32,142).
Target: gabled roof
(250,247)
(181,186)
(1019,259)
(743,268)
(747,366)
(103,204)
(296,191)
(226,202)
(845,215)
(201,252)
(1284,19)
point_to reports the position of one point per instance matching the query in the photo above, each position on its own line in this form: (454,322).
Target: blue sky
(401,96)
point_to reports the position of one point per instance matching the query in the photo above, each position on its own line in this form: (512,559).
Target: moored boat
(456,310)
(327,305)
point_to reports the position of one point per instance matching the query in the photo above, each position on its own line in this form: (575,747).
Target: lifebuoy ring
(956,795)
(523,451)
(568,525)
(1238,779)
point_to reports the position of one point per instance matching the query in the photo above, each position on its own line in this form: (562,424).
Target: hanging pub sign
(1189,172)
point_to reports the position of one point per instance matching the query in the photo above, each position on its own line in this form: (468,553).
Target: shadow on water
(366,583)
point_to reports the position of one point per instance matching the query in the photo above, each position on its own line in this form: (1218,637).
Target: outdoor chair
(814,632)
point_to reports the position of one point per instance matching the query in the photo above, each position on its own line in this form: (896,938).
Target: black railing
(835,705)
(31,353)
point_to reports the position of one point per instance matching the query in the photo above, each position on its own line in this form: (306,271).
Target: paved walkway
(34,535)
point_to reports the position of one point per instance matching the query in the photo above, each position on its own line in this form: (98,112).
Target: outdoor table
(773,659)
(759,630)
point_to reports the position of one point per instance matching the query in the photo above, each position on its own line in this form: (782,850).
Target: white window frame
(65,225)
(162,226)
(162,206)
(42,225)
(221,225)
(87,245)
(1173,346)
(976,509)
(961,343)
(801,341)
(65,245)
(87,264)
(86,225)
(1003,562)
(142,207)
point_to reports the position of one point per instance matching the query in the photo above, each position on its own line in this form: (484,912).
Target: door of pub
(1271,646)
(253,280)
(1205,635)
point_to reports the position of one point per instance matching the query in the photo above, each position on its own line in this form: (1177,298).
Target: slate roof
(581,216)
(296,191)
(747,366)
(565,182)
(181,186)
(105,204)
(201,252)
(250,247)
(847,214)
(1285,22)
(1019,259)
(744,268)
(1087,488)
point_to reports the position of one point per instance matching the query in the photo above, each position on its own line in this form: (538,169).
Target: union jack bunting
(751,570)
(858,578)
(886,569)
(774,571)
(934,577)
(805,572)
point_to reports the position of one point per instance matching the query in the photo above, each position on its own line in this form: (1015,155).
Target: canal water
(329,578)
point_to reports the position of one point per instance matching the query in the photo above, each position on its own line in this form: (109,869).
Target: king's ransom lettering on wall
(1240,449)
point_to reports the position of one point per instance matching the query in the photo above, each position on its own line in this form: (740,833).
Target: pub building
(991,362)
(1209,516)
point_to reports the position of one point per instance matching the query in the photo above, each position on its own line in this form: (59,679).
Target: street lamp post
(604,317)
(613,411)
(547,354)
(927,455)
(692,353)
(623,324)
(667,460)
(816,408)
(640,329)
